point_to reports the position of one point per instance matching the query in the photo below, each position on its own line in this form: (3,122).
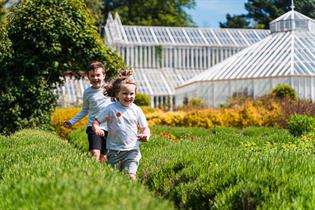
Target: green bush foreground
(38,170)
(227,168)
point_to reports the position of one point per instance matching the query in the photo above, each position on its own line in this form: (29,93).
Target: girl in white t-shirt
(126,124)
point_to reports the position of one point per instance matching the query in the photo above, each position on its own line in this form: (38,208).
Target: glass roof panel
(141,82)
(250,36)
(173,78)
(238,37)
(156,80)
(224,37)
(145,34)
(162,35)
(131,35)
(195,36)
(178,36)
(210,37)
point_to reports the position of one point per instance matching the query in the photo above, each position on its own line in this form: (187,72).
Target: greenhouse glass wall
(165,57)
(286,56)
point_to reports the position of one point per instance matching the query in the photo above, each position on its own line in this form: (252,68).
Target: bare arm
(144,134)
(97,129)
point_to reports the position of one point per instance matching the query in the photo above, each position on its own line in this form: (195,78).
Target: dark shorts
(96,142)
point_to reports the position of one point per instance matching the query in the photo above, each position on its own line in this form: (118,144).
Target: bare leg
(103,158)
(133,177)
(96,153)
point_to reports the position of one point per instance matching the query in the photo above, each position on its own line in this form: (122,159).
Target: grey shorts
(127,161)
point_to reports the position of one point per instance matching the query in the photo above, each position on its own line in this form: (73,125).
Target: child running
(93,101)
(127,126)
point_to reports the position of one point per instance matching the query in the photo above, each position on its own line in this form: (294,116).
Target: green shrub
(38,170)
(47,39)
(193,103)
(284,91)
(142,99)
(229,168)
(301,124)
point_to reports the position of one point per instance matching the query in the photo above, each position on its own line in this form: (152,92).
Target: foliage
(3,11)
(193,103)
(151,12)
(52,37)
(227,168)
(25,103)
(262,12)
(284,91)
(5,49)
(250,113)
(142,99)
(221,168)
(96,8)
(301,124)
(40,171)
(235,21)
(60,115)
(47,39)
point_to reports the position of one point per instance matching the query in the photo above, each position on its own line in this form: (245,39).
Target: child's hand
(99,132)
(67,124)
(143,137)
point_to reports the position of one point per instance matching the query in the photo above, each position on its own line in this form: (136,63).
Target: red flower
(118,114)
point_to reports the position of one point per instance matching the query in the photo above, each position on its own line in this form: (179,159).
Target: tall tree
(3,10)
(96,8)
(235,21)
(151,12)
(262,12)
(45,39)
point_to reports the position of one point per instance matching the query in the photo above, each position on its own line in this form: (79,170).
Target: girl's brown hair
(114,87)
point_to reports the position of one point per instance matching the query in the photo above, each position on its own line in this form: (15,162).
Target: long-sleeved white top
(93,101)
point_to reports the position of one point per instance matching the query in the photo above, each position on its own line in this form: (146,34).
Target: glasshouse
(286,56)
(165,57)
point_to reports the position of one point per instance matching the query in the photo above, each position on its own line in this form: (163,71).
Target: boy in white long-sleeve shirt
(93,101)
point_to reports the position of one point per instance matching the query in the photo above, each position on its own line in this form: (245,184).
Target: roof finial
(292,5)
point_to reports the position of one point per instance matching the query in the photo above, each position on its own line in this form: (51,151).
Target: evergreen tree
(235,21)
(262,12)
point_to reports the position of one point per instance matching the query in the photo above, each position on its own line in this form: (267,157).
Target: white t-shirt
(123,123)
(93,102)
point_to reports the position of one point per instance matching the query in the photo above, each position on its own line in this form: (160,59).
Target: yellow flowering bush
(165,118)
(231,117)
(198,119)
(62,114)
(250,113)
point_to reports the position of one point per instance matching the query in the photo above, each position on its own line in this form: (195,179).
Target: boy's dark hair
(95,65)
(114,87)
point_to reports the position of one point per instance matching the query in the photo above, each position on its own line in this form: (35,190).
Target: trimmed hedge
(228,168)
(40,171)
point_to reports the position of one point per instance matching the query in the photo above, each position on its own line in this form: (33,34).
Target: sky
(208,13)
